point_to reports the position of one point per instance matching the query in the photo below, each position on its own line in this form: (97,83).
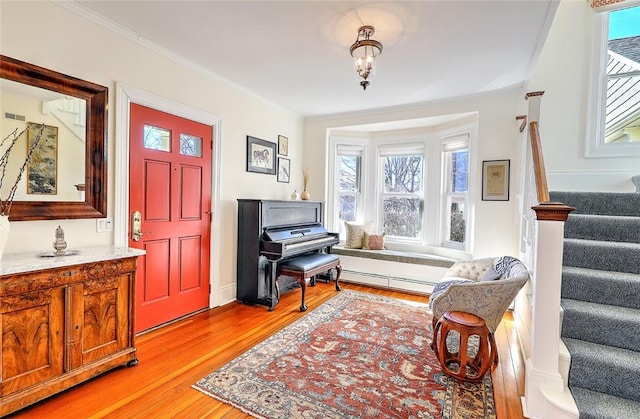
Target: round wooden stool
(460,364)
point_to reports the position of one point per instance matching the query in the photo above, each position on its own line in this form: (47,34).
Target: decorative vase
(305,195)
(4,232)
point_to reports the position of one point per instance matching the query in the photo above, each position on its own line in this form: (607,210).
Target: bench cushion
(307,262)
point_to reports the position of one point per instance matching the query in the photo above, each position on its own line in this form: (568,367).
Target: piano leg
(339,269)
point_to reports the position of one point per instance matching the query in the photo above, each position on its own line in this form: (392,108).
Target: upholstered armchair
(484,287)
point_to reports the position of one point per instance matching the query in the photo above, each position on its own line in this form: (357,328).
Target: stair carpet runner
(601,302)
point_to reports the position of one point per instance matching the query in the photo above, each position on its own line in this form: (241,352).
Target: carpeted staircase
(601,302)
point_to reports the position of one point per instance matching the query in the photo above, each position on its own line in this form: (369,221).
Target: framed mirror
(89,100)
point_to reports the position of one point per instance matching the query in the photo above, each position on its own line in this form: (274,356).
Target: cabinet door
(31,325)
(100,314)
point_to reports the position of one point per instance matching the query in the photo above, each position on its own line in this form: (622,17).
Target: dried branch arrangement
(9,142)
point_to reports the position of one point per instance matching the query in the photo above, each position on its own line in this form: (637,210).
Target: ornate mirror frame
(95,203)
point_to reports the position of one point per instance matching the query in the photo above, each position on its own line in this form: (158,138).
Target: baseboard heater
(389,281)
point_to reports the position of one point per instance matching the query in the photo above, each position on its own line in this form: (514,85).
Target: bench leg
(303,286)
(339,270)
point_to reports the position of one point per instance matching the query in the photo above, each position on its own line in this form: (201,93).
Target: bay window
(414,188)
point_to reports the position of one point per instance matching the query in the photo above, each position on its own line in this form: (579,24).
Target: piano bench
(308,266)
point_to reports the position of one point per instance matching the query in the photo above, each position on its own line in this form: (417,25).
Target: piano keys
(269,232)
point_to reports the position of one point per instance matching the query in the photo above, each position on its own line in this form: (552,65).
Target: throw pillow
(490,275)
(504,263)
(373,241)
(355,234)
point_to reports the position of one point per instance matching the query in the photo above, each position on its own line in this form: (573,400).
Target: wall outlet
(104,224)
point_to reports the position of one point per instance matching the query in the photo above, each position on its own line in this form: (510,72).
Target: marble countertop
(27,262)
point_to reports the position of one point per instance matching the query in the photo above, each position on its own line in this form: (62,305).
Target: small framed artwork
(284,169)
(495,180)
(42,170)
(261,156)
(283,145)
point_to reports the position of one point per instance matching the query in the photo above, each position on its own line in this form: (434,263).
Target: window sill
(397,256)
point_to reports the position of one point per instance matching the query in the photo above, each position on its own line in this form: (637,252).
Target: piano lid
(293,232)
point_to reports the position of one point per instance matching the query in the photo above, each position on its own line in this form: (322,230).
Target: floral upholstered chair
(483,287)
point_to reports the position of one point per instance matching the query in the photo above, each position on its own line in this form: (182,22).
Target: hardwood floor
(174,357)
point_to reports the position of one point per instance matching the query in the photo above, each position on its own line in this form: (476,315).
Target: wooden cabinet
(63,324)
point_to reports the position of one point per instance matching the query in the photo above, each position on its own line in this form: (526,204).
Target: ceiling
(296,53)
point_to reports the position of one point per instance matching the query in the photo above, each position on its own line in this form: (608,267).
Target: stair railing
(538,314)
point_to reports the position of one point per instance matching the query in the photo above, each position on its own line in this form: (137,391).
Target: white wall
(51,36)
(562,72)
(496,225)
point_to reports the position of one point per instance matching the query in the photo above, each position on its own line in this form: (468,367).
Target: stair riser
(614,229)
(605,331)
(617,258)
(622,381)
(601,290)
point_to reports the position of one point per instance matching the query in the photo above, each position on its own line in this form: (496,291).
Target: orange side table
(461,364)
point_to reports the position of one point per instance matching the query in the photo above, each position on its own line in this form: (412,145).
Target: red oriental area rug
(357,355)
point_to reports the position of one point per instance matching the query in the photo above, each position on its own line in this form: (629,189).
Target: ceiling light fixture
(365,51)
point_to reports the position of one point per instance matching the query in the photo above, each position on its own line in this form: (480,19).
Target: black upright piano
(269,232)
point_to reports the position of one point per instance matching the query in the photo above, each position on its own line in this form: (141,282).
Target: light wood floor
(174,357)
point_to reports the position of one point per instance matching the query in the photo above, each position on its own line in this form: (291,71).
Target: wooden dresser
(64,320)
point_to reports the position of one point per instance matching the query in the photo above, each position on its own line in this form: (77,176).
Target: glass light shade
(364,51)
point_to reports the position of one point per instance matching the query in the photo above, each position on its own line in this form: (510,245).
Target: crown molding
(86,13)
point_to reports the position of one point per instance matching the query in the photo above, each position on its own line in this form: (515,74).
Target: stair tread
(599,272)
(593,404)
(604,243)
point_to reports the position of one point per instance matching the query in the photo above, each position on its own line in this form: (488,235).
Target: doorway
(170,214)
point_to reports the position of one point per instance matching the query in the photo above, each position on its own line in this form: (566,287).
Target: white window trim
(333,221)
(595,146)
(446,138)
(408,147)
(450,144)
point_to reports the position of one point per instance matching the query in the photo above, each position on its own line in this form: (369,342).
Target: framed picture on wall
(261,156)
(495,180)
(284,170)
(283,145)
(42,170)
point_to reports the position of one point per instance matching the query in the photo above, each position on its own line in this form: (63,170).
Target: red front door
(170,193)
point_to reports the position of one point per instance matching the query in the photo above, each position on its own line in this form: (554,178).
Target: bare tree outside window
(402,197)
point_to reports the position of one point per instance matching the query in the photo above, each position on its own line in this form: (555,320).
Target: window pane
(622,114)
(459,170)
(190,145)
(349,173)
(457,227)
(402,216)
(403,174)
(347,208)
(157,138)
